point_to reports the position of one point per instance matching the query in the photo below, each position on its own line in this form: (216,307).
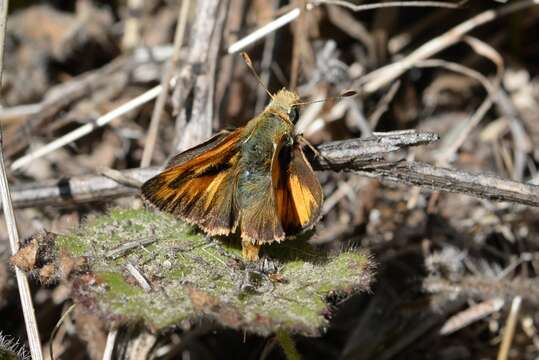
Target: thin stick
(264,30)
(87,128)
(379,78)
(265,64)
(294,14)
(470,315)
(459,133)
(57,327)
(15,114)
(24,289)
(139,277)
(122,249)
(120,177)
(509,331)
(383,105)
(456,137)
(363,156)
(109,346)
(78,189)
(451,180)
(288,345)
(365,7)
(165,82)
(450,147)
(132,28)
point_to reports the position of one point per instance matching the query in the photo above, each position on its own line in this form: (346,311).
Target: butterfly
(254,181)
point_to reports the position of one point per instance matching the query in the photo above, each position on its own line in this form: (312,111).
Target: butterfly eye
(293,113)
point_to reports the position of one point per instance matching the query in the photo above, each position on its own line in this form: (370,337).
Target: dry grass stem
(133,26)
(364,156)
(170,69)
(365,7)
(14,243)
(109,347)
(262,32)
(138,276)
(470,315)
(379,78)
(509,329)
(87,128)
(56,328)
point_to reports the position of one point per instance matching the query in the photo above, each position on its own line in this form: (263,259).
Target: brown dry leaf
(47,273)
(25,258)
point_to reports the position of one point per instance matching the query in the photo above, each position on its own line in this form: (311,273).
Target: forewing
(201,189)
(297,190)
(198,149)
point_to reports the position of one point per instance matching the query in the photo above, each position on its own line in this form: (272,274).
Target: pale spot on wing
(304,200)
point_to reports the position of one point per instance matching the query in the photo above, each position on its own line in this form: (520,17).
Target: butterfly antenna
(345,94)
(249,64)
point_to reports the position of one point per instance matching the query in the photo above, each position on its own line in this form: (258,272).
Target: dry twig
(509,330)
(165,82)
(197,79)
(470,315)
(138,276)
(132,28)
(87,128)
(264,31)
(63,95)
(379,78)
(294,13)
(365,7)
(11,224)
(363,156)
(109,347)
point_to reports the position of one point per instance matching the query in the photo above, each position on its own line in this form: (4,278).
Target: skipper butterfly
(254,181)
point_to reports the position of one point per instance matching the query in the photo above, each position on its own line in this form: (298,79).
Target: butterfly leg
(302,141)
(249,251)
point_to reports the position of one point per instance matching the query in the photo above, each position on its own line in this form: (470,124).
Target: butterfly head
(285,101)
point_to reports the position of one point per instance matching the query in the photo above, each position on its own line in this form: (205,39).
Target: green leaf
(192,276)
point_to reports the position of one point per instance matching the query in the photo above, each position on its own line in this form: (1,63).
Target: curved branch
(364,156)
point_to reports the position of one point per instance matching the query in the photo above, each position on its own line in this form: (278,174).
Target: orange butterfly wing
(298,194)
(199,184)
